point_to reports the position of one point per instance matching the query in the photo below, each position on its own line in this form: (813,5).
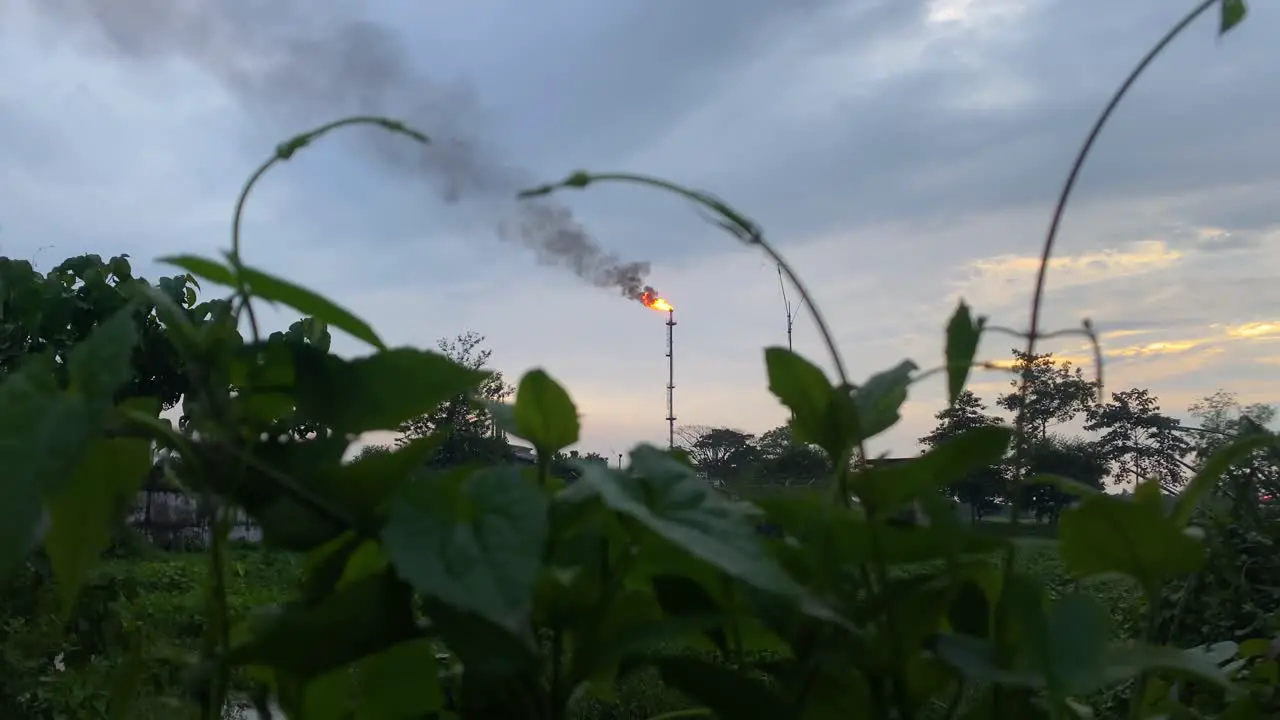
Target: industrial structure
(671,380)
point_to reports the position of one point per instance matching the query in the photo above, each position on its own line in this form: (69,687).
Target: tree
(468,432)
(52,313)
(1055,393)
(1138,441)
(784,459)
(979,489)
(722,453)
(1069,457)
(1221,418)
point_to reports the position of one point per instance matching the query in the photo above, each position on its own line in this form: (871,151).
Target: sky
(901,154)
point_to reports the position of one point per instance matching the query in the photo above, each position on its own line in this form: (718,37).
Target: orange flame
(654,301)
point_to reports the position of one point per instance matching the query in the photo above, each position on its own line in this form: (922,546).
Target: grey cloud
(288,64)
(903,154)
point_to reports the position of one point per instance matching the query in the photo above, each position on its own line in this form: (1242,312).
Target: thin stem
(738,225)
(1152,627)
(1037,299)
(285,151)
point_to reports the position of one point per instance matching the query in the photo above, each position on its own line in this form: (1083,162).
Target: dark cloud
(286,64)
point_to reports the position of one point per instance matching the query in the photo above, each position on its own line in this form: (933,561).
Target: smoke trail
(296,62)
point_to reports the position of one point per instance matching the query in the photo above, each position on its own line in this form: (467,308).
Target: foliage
(1061,457)
(463,425)
(441,582)
(979,489)
(1046,393)
(1138,441)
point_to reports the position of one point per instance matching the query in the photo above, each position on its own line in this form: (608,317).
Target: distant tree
(1220,417)
(980,489)
(1055,393)
(1073,458)
(1137,440)
(784,459)
(722,453)
(53,312)
(596,457)
(468,431)
(369,451)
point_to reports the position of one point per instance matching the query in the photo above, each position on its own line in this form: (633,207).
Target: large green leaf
(1127,660)
(83,510)
(880,399)
(963,333)
(544,414)
(670,499)
(836,537)
(728,692)
(1207,478)
(363,487)
(103,362)
(1233,13)
(883,490)
(821,414)
(1078,634)
(377,392)
(276,289)
(1109,534)
(360,618)
(43,434)
(399,682)
(472,540)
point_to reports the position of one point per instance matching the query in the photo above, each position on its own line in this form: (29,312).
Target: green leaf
(1109,534)
(276,289)
(1078,634)
(83,511)
(202,267)
(399,682)
(43,435)
(1065,484)
(804,388)
(1126,661)
(833,537)
(473,540)
(977,659)
(544,414)
(103,362)
(671,500)
(363,487)
(880,399)
(727,692)
(1207,478)
(1233,12)
(377,392)
(360,618)
(963,334)
(883,490)
(270,287)
(683,597)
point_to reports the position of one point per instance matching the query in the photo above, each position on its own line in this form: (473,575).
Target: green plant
(491,591)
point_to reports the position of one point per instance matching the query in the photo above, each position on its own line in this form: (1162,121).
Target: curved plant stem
(1046,252)
(285,151)
(747,231)
(730,220)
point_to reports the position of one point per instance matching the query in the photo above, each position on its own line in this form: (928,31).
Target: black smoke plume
(289,61)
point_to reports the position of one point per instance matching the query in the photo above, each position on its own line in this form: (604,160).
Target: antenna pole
(671,381)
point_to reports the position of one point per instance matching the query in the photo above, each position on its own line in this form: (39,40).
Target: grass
(156,604)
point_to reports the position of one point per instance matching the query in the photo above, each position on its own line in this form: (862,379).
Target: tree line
(1068,431)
